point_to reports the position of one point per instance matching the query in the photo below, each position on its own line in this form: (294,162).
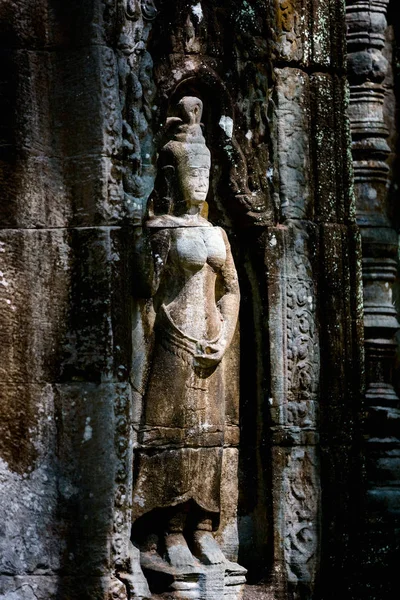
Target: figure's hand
(209,355)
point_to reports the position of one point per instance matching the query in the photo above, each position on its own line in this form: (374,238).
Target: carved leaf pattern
(301,514)
(302,356)
(302,344)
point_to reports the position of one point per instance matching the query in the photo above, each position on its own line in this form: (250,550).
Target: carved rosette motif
(368,68)
(113,132)
(122,499)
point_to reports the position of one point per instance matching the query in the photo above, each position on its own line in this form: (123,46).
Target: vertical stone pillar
(367,67)
(311,259)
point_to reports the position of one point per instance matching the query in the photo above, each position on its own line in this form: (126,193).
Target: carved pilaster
(367,71)
(295,372)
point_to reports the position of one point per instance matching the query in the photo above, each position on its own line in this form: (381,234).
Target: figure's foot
(232,568)
(206,548)
(135,580)
(185,590)
(136,585)
(178,553)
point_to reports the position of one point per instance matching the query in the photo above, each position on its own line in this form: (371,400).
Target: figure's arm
(228,305)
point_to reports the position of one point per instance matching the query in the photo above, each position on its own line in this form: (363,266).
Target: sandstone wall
(84,89)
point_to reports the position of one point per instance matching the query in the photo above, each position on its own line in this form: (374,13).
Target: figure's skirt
(182,431)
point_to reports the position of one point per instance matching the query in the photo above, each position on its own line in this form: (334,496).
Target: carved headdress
(184,150)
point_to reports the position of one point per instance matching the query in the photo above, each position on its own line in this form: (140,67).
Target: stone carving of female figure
(177,475)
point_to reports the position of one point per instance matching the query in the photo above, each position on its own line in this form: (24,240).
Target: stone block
(93,465)
(29,587)
(290,23)
(34,288)
(326,103)
(30,535)
(24,23)
(97,341)
(26,118)
(57,587)
(208,30)
(38,24)
(341,499)
(290,258)
(338,326)
(75,24)
(37,86)
(86,96)
(35,190)
(94,198)
(296,508)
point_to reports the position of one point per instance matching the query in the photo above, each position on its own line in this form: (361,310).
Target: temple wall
(84,90)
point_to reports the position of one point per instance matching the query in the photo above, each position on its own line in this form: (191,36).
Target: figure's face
(195,185)
(195,179)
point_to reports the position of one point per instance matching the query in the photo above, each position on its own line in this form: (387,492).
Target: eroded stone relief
(142,498)
(183,453)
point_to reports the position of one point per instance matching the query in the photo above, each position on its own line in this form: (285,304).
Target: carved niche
(184,532)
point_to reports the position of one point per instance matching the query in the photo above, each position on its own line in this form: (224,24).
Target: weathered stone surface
(308,32)
(297,521)
(34,289)
(44,25)
(24,23)
(26,84)
(293,153)
(29,541)
(329,147)
(294,345)
(45,204)
(51,588)
(291,257)
(97,337)
(86,87)
(27,587)
(28,149)
(88,472)
(47,98)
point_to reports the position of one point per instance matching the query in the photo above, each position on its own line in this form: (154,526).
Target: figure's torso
(196,256)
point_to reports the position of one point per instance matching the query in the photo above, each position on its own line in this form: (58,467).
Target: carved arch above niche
(193,77)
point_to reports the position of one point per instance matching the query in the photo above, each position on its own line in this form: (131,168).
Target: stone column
(368,69)
(314,319)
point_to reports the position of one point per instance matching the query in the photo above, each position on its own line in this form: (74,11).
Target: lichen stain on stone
(286,15)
